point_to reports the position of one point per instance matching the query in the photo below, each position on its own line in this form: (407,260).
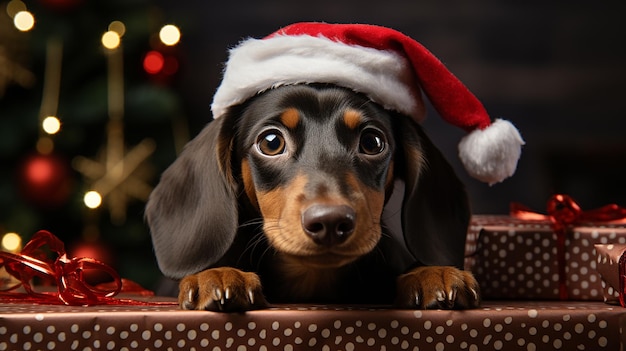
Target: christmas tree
(88,119)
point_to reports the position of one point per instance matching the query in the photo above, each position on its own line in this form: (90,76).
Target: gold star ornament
(118,175)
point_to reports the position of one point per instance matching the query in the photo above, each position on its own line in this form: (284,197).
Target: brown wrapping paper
(496,325)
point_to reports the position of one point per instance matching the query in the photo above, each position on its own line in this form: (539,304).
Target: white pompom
(491,154)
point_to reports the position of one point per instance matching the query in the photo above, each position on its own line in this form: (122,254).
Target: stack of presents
(552,280)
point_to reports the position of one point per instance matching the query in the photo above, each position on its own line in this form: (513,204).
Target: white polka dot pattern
(496,326)
(516,259)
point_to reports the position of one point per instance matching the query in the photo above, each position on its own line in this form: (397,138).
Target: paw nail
(475,293)
(417,299)
(251,297)
(190,295)
(227,294)
(452,295)
(218,294)
(441,296)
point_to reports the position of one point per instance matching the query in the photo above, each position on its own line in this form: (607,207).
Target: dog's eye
(372,142)
(271,143)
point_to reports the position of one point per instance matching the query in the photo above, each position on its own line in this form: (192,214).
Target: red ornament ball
(45,180)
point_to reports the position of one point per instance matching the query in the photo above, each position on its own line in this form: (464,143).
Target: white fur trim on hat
(491,154)
(257,65)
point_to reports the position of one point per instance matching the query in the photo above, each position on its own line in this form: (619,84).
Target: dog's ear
(192,212)
(435,210)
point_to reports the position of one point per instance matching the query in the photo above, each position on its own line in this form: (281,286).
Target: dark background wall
(556,69)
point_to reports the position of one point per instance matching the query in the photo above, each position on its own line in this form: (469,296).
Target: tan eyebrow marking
(290,118)
(352,118)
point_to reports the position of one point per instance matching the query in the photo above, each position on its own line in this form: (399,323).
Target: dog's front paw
(222,289)
(437,287)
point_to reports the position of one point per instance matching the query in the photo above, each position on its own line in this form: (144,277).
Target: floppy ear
(435,211)
(192,212)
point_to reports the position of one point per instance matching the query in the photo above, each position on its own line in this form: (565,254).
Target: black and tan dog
(316,183)
(283,198)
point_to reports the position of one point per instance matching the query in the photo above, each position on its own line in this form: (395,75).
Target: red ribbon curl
(562,212)
(67,274)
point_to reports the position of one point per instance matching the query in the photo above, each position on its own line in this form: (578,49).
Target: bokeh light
(111,40)
(51,125)
(92,199)
(15,6)
(24,21)
(44,145)
(169,35)
(153,62)
(117,27)
(11,242)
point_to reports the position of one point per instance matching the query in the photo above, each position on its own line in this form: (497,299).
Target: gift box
(78,316)
(531,256)
(611,265)
(499,325)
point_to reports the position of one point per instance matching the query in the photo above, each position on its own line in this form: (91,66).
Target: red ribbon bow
(563,211)
(67,273)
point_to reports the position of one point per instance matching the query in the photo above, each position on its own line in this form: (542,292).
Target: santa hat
(387,66)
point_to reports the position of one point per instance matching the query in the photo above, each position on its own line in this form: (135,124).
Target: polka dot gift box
(497,325)
(157,323)
(525,259)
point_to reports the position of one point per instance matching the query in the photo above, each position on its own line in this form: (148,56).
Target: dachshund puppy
(283,200)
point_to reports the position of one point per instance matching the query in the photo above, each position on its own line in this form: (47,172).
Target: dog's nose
(328,225)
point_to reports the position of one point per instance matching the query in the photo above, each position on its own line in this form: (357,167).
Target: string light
(11,242)
(111,40)
(169,35)
(51,125)
(92,199)
(24,21)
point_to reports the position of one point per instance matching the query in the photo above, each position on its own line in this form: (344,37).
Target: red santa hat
(387,66)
